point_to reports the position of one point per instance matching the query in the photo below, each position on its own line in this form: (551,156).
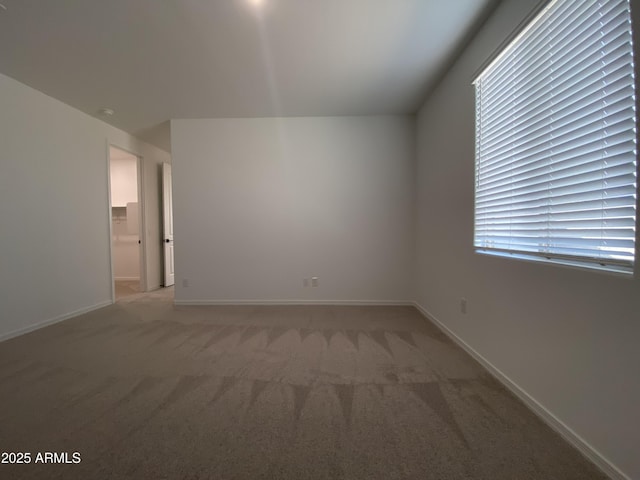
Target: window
(556,140)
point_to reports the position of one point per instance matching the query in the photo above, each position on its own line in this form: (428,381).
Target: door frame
(167,204)
(142,250)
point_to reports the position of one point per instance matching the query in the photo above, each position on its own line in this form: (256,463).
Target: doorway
(126,223)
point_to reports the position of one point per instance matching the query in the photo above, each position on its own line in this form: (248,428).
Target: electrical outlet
(185,283)
(305,282)
(463,306)
(314,281)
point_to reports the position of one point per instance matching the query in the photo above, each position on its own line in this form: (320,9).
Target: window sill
(616,270)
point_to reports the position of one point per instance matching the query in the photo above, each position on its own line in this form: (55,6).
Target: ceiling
(152,61)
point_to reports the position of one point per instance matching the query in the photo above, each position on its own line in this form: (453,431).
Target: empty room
(323,239)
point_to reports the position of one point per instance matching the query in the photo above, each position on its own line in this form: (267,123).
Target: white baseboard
(51,321)
(296,302)
(545,415)
(137,279)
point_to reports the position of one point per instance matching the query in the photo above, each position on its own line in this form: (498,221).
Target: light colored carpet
(146,390)
(125,288)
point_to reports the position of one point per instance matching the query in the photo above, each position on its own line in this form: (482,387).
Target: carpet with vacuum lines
(144,389)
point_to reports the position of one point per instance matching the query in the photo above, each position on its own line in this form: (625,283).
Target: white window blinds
(556,138)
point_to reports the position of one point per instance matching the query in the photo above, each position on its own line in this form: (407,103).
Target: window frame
(573,262)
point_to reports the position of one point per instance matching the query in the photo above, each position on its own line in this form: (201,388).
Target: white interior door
(167,208)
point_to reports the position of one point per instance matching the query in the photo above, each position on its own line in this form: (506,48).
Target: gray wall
(567,337)
(259,204)
(54,246)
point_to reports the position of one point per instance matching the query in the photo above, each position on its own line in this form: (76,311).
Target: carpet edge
(537,408)
(51,321)
(396,303)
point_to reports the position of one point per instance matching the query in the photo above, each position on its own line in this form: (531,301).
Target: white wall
(54,246)
(124,179)
(261,203)
(567,337)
